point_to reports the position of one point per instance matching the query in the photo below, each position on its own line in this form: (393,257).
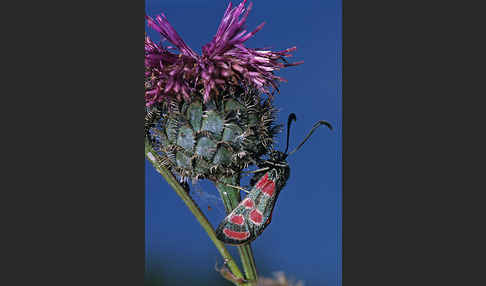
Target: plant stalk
(201,218)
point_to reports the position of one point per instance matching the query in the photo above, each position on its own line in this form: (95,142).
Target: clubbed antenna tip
(319,123)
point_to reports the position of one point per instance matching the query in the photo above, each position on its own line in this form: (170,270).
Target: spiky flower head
(206,114)
(178,72)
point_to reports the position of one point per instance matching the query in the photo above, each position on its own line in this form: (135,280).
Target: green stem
(231,198)
(201,218)
(246,255)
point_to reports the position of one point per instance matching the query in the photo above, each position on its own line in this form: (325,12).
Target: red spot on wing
(237,219)
(239,235)
(269,188)
(248,203)
(256,216)
(262,182)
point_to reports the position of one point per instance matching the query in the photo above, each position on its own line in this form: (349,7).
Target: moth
(254,213)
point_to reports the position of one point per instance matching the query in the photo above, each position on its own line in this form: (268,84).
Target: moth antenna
(289,121)
(319,123)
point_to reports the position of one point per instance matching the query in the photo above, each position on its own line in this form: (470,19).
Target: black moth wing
(264,203)
(243,233)
(253,212)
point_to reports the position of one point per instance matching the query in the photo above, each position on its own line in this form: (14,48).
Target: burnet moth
(254,213)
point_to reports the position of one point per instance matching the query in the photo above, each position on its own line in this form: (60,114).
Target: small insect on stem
(254,213)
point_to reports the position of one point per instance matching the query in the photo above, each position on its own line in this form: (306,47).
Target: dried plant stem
(231,198)
(201,218)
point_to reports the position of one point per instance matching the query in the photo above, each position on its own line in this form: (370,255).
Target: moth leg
(236,187)
(239,188)
(257,171)
(276,164)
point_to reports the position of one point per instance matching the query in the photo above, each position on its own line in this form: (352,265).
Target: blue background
(304,238)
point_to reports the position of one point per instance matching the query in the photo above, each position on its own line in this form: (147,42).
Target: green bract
(214,139)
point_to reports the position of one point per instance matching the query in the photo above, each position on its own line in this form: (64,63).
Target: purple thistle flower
(224,61)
